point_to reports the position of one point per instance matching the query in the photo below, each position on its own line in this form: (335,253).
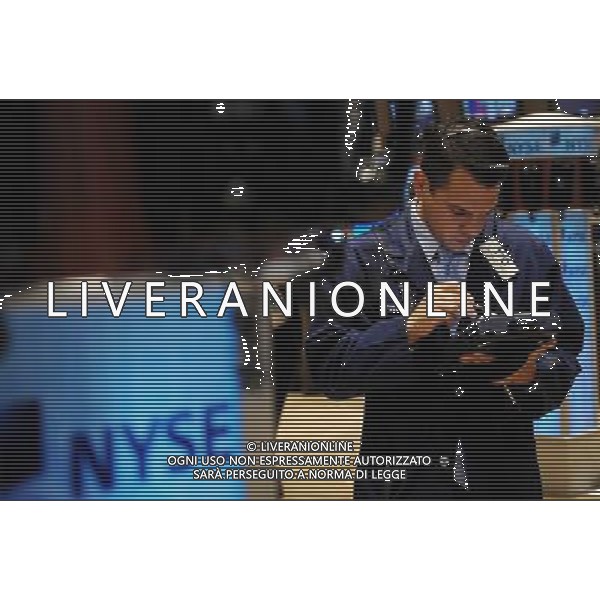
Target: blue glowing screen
(117,396)
(575,255)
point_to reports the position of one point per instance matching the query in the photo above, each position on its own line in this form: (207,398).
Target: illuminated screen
(541,225)
(577,267)
(575,255)
(489,109)
(424,114)
(115,397)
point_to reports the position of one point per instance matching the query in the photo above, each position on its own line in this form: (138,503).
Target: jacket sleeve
(347,356)
(557,368)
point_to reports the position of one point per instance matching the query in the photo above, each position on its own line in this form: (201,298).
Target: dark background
(105,186)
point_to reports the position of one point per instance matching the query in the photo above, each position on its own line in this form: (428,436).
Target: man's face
(457,211)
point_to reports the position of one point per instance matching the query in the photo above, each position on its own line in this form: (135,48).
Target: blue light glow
(120,395)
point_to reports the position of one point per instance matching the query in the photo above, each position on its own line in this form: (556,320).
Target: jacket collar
(401,245)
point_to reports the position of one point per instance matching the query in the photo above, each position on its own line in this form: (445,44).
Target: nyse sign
(129,459)
(116,397)
(539,142)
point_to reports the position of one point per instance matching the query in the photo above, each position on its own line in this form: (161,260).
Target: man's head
(458,182)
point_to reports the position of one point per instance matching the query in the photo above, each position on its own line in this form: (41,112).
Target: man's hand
(526,374)
(446,299)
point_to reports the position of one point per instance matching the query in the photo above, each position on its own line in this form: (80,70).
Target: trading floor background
(123,189)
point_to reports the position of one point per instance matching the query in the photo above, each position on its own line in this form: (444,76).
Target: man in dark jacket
(416,403)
